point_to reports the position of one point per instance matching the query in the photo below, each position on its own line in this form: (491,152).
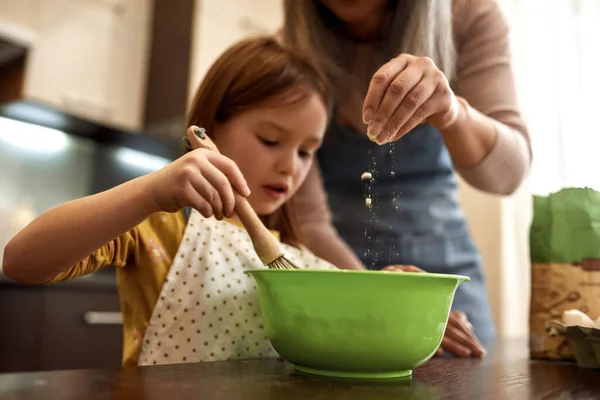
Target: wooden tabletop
(505,373)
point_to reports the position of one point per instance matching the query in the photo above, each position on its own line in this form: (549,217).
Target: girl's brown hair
(252,73)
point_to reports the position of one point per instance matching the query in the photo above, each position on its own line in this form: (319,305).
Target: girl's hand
(202,179)
(405,92)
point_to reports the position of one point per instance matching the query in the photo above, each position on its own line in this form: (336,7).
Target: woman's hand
(402,268)
(202,179)
(405,92)
(459,338)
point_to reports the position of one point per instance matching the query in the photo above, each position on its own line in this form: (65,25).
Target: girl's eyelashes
(266,142)
(305,154)
(274,143)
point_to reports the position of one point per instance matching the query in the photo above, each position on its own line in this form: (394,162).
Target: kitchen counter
(505,373)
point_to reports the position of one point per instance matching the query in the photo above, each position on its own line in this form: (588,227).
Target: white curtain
(557,64)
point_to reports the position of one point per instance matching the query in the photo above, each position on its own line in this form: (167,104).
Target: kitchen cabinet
(20,328)
(90,59)
(219,24)
(121,64)
(20,15)
(67,325)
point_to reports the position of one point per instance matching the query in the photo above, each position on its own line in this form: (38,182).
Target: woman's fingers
(461,320)
(418,104)
(459,339)
(399,92)
(404,93)
(439,351)
(456,348)
(379,85)
(402,268)
(460,332)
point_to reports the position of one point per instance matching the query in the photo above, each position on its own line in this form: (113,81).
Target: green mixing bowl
(355,324)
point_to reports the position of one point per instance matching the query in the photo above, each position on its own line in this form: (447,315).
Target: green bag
(565,226)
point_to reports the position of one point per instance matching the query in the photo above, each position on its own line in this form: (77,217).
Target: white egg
(366,176)
(368,202)
(576,317)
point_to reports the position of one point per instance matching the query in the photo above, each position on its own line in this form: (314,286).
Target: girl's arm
(68,233)
(61,237)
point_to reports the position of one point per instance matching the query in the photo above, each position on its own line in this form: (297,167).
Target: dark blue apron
(414,218)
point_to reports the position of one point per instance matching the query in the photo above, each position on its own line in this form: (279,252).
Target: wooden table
(505,373)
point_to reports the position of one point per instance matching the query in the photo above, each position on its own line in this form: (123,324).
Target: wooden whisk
(265,244)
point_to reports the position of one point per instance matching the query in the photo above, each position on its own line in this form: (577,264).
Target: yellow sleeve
(113,254)
(152,244)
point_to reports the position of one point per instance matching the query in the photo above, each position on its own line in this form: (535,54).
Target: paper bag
(565,262)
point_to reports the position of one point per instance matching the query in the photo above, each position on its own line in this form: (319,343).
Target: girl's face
(274,148)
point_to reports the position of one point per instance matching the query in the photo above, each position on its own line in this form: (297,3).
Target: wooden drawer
(80,330)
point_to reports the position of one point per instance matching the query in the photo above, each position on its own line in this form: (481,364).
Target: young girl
(184,296)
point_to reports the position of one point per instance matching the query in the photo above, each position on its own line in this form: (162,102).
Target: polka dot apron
(208,309)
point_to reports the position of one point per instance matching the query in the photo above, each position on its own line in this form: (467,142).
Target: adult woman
(448,95)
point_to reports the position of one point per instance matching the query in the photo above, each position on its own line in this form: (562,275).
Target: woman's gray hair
(419,27)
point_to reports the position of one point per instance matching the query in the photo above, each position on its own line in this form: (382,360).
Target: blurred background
(94,93)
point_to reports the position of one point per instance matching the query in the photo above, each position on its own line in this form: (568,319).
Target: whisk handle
(265,244)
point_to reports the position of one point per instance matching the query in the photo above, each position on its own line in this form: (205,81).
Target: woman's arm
(482,129)
(314,221)
(488,142)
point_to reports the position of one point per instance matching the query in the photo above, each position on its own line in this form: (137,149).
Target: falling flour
(367,176)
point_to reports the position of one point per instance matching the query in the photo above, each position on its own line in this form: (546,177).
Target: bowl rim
(425,275)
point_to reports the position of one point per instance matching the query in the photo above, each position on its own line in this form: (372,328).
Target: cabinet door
(69,64)
(219,24)
(19,16)
(89,59)
(130,47)
(81,330)
(215,29)
(20,328)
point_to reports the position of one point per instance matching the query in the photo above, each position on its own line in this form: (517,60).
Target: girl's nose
(288,163)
